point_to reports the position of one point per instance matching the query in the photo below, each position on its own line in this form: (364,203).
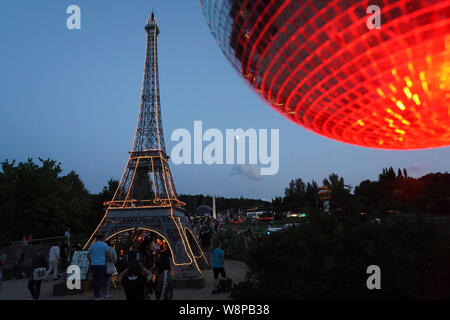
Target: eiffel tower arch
(146,198)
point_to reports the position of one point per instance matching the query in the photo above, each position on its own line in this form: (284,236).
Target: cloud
(415,168)
(250,171)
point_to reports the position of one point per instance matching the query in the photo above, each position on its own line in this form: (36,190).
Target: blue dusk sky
(73,96)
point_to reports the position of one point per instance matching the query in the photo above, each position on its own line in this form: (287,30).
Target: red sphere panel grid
(319,65)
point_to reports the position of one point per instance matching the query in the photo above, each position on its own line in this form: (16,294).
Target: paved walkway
(17,289)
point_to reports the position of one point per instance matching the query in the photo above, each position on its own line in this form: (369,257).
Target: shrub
(327,258)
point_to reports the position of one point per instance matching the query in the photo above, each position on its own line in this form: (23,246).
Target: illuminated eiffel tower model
(146,199)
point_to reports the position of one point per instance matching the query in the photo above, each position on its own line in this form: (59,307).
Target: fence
(41,241)
(16,247)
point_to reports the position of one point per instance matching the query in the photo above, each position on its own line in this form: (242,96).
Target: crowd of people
(45,266)
(144,270)
(205,230)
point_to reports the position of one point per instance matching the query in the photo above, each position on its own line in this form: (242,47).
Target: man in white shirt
(53,261)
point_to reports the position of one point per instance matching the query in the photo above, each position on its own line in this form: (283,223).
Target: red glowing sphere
(326,66)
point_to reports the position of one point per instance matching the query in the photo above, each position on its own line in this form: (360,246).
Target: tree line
(35,197)
(391,193)
(398,223)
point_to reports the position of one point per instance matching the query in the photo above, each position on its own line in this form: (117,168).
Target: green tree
(295,194)
(341,199)
(99,201)
(35,198)
(312,199)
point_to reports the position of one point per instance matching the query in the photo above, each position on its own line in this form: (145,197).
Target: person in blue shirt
(217,262)
(98,253)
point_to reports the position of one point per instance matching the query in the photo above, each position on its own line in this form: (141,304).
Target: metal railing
(40,241)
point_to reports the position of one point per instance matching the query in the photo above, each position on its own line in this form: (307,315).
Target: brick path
(17,289)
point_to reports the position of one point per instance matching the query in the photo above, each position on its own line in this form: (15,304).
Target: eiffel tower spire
(147,181)
(149,131)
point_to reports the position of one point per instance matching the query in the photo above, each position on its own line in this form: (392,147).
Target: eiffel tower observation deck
(146,200)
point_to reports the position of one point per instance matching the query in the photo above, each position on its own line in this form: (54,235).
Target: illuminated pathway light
(319,65)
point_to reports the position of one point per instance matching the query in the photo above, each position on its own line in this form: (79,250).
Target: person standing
(64,256)
(122,261)
(38,272)
(217,262)
(143,241)
(248,238)
(163,288)
(98,253)
(134,254)
(20,257)
(148,263)
(134,279)
(212,229)
(66,246)
(67,235)
(110,269)
(205,241)
(53,261)
(148,258)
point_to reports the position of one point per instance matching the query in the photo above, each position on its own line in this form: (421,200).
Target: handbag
(39,273)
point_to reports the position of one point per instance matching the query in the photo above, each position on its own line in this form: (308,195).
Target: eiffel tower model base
(169,223)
